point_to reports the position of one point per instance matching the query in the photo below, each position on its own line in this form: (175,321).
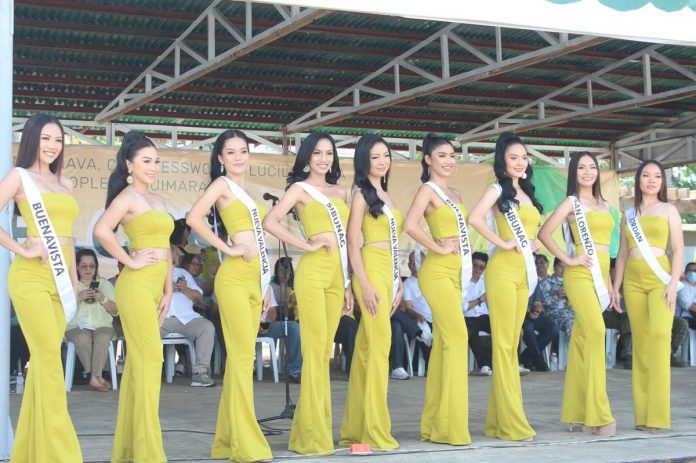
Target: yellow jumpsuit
(445,417)
(238,436)
(44,429)
(366,415)
(507,293)
(651,328)
(138,436)
(585,398)
(319,290)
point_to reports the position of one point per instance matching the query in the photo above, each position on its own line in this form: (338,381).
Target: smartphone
(94,285)
(181,278)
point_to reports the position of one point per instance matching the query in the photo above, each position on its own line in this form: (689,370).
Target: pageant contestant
(587,284)
(377,285)
(321,281)
(242,290)
(143,294)
(650,289)
(510,279)
(41,282)
(445,272)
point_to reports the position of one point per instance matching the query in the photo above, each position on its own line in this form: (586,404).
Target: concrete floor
(188,421)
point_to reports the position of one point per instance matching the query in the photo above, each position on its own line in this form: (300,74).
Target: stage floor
(188,421)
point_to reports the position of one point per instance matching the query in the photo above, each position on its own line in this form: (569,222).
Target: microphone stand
(283,312)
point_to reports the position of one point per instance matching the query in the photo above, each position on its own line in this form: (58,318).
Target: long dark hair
(85,252)
(572,187)
(215,164)
(430,142)
(661,195)
(286,263)
(132,143)
(304,154)
(507,197)
(361,161)
(28,151)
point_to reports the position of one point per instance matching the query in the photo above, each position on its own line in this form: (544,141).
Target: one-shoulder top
(443,222)
(375,230)
(315,218)
(530,217)
(655,228)
(61,208)
(600,223)
(237,218)
(150,229)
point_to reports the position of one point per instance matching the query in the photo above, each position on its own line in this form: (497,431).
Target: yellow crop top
(315,218)
(530,217)
(61,208)
(237,218)
(655,228)
(150,229)
(443,222)
(376,230)
(601,224)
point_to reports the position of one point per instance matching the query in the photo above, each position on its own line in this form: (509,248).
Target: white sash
(464,243)
(59,267)
(259,237)
(515,224)
(394,247)
(338,227)
(585,239)
(645,248)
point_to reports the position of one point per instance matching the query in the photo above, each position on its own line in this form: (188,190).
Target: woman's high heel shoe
(608,430)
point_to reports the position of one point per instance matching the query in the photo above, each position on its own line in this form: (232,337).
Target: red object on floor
(360,449)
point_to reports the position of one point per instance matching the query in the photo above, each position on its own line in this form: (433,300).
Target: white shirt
(413,294)
(182,306)
(473,292)
(685,298)
(274,303)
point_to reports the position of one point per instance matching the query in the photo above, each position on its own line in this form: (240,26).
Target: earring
(222,169)
(524,175)
(305,169)
(129,179)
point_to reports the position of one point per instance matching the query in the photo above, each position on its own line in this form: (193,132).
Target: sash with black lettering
(585,239)
(338,227)
(645,248)
(520,234)
(394,246)
(49,238)
(463,235)
(259,237)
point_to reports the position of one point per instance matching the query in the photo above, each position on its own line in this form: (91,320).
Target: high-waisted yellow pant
(507,294)
(651,328)
(44,429)
(319,290)
(366,415)
(238,436)
(585,398)
(445,417)
(138,436)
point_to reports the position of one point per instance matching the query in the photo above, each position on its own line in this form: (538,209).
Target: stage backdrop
(185,175)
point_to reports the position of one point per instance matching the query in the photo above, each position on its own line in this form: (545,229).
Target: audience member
(686,298)
(91,329)
(555,302)
(273,325)
(476,314)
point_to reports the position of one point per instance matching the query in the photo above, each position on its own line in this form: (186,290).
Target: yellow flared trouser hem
(138,436)
(585,397)
(507,294)
(651,331)
(445,416)
(238,436)
(319,291)
(44,429)
(366,414)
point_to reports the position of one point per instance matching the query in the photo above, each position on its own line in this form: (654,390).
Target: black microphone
(270,197)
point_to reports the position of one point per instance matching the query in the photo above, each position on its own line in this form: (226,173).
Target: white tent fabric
(643,20)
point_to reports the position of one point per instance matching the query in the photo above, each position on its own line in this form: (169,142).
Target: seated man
(554,299)
(274,327)
(476,314)
(686,298)
(537,329)
(182,319)
(413,318)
